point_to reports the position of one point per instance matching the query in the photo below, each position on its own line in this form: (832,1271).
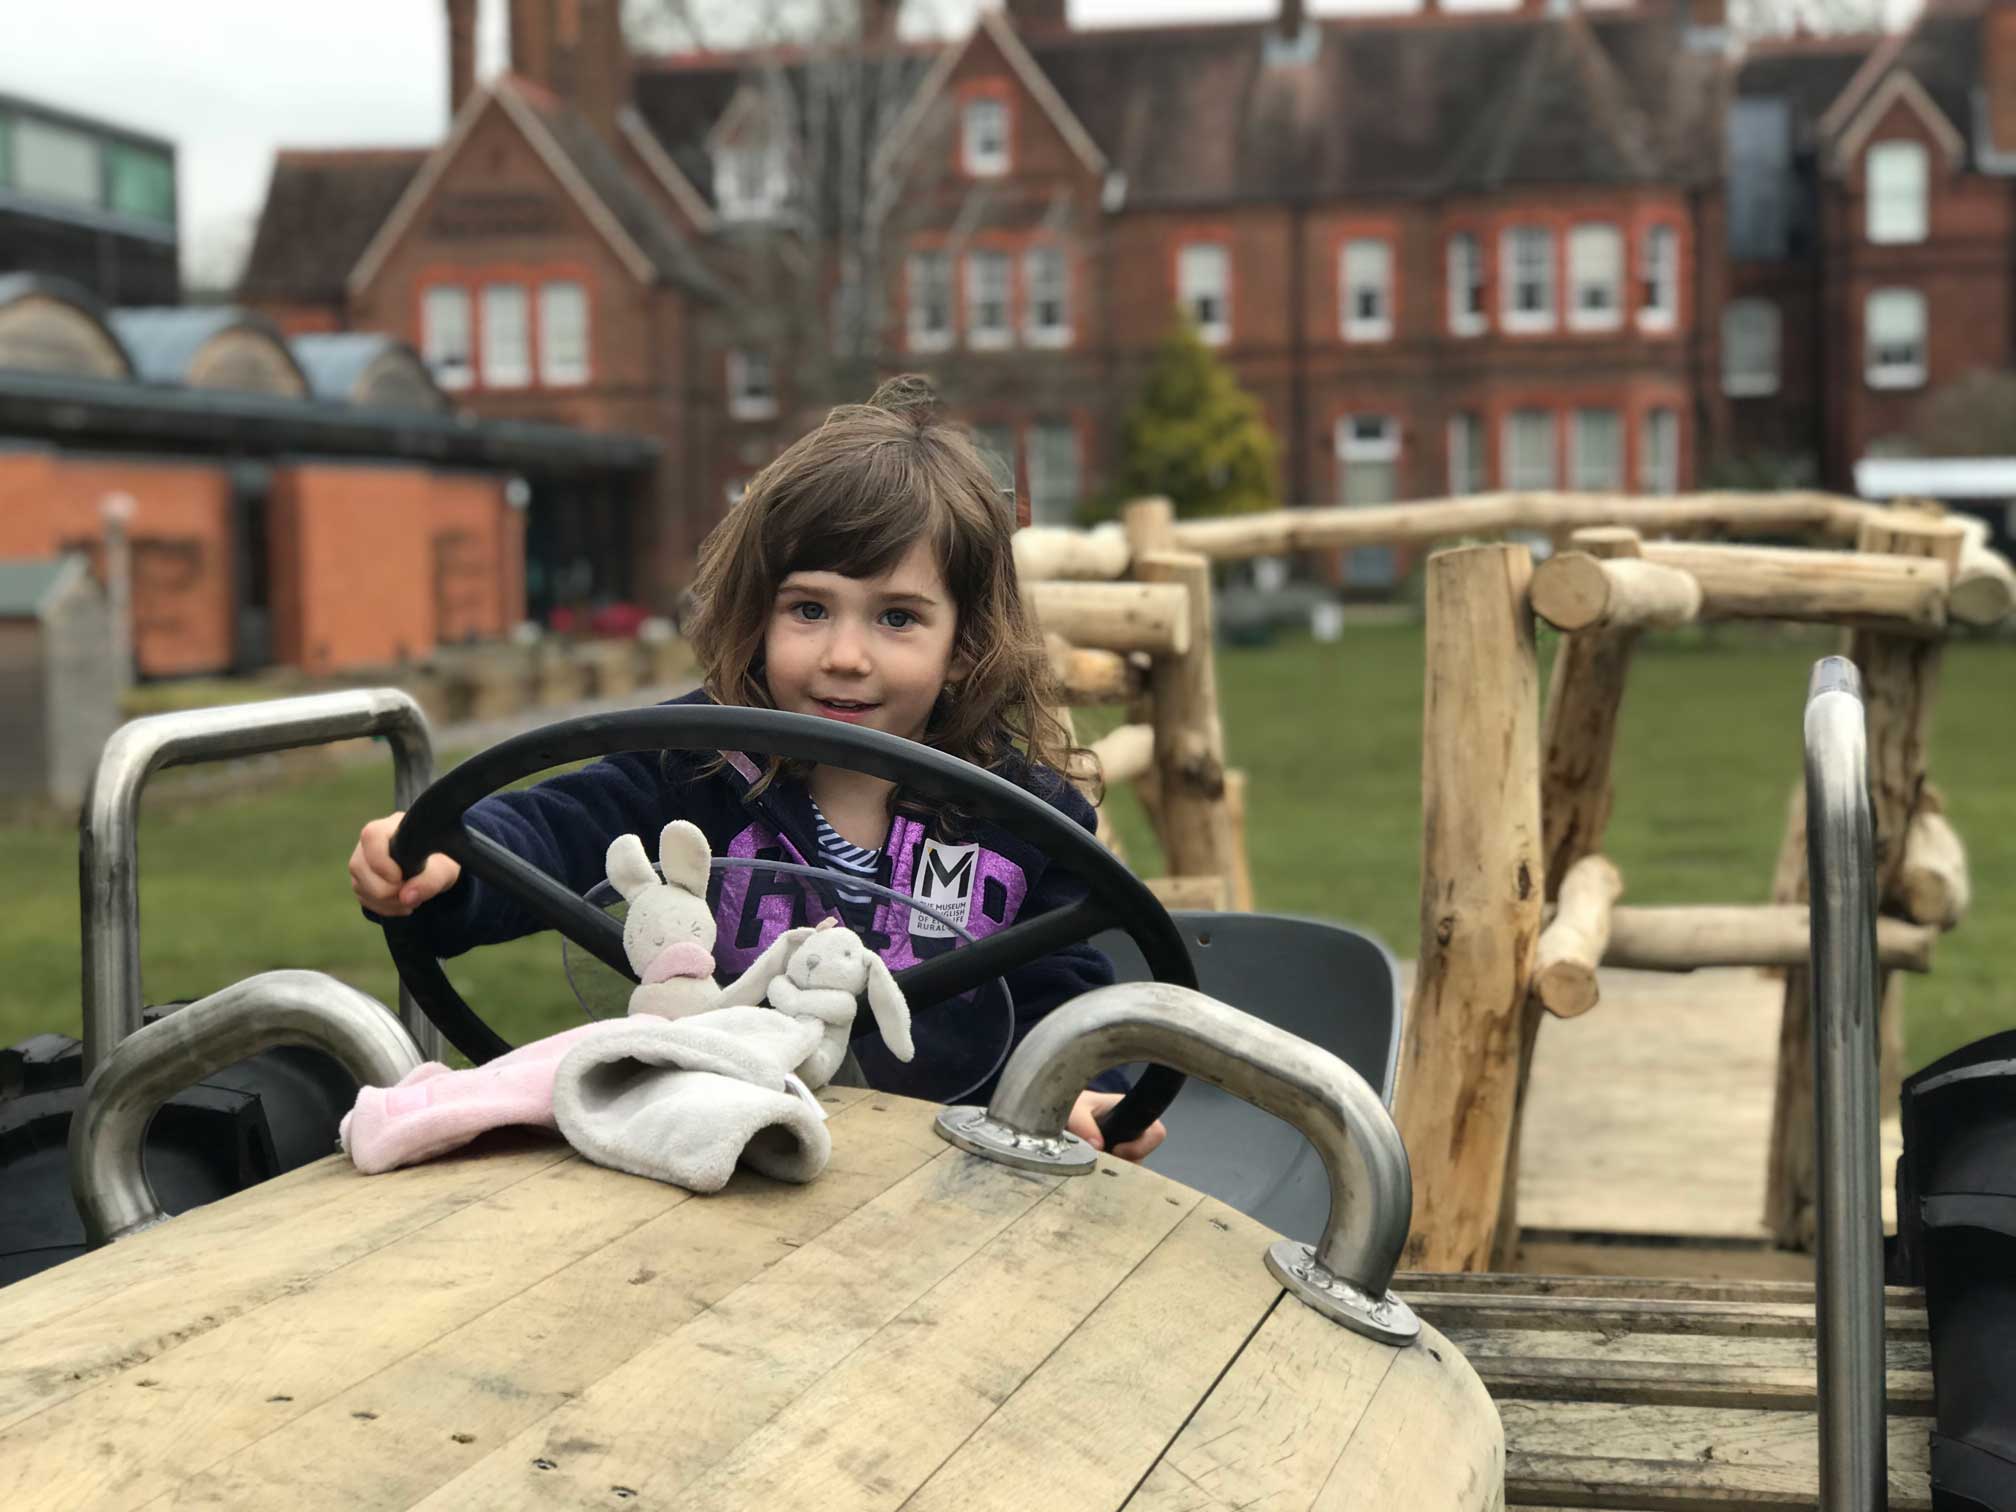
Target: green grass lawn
(1330,737)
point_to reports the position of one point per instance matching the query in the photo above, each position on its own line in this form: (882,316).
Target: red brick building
(1446,252)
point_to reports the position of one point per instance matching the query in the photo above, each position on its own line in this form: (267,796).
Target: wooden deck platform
(1650,1117)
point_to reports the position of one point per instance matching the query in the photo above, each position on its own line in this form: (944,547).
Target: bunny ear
(747,990)
(683,853)
(629,868)
(892,1013)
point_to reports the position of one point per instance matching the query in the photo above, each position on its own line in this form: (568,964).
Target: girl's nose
(846,648)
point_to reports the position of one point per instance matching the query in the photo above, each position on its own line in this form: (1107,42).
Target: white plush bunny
(668,933)
(818,975)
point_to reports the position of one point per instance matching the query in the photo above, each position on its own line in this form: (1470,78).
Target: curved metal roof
(367,368)
(168,343)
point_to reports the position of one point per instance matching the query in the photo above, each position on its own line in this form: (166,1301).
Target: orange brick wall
(376,565)
(181,534)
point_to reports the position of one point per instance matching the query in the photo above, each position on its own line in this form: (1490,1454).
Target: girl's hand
(375,878)
(1091,1104)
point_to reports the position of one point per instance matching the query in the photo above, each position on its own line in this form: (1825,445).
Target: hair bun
(909,395)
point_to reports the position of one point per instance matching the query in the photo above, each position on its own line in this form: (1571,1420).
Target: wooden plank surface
(1090,1423)
(397,1435)
(1605,1454)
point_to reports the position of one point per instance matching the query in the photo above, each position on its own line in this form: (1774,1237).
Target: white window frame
(451,369)
(1659,466)
(1365,266)
(1465,272)
(1596,266)
(554,372)
(1892,374)
(1042,510)
(919,334)
(989,338)
(1659,278)
(980,157)
(747,398)
(752,181)
(506,365)
(1757,383)
(1196,280)
(1468,465)
(1527,238)
(60,163)
(1380,444)
(1896,184)
(1510,460)
(1584,478)
(1038,264)
(985,436)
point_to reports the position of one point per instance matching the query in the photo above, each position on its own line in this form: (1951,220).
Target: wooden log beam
(1481,896)
(1984,583)
(1049,552)
(1934,886)
(1577,591)
(1864,588)
(1123,754)
(1817,515)
(1093,677)
(1571,947)
(1144,616)
(1900,680)
(1691,936)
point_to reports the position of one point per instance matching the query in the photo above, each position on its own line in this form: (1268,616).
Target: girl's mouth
(842,708)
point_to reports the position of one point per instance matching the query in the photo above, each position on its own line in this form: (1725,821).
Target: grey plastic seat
(1333,986)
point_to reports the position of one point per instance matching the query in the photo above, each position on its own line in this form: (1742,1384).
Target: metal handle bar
(1346,1274)
(108,1174)
(108,871)
(1840,854)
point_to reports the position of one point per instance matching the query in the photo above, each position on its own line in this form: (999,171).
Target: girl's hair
(852,497)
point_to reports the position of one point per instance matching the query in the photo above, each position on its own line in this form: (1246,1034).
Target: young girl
(865,576)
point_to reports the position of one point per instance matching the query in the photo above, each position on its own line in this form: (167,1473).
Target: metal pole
(1840,854)
(108,858)
(108,1174)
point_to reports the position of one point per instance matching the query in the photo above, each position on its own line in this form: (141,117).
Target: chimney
(1294,14)
(878,21)
(592,61)
(461,54)
(532,40)
(1036,18)
(1998,73)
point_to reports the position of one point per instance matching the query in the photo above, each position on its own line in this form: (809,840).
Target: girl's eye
(899,619)
(806,609)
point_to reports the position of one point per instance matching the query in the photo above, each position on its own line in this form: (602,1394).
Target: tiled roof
(322,209)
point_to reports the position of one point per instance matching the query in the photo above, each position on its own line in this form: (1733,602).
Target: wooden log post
(1934,887)
(1242,870)
(1900,676)
(1572,946)
(1481,898)
(1189,741)
(1578,738)
(1150,525)
(1198,894)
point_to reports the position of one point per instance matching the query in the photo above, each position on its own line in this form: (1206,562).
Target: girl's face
(868,651)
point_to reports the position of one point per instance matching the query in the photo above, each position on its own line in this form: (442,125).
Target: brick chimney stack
(461,54)
(576,49)
(1037,18)
(1998,71)
(1294,15)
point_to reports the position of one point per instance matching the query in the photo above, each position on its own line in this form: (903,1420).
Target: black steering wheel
(1114,896)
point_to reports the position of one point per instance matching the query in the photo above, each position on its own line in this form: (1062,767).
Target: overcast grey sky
(230,80)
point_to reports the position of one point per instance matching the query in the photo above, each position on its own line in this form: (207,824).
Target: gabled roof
(1939,55)
(321,211)
(586,167)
